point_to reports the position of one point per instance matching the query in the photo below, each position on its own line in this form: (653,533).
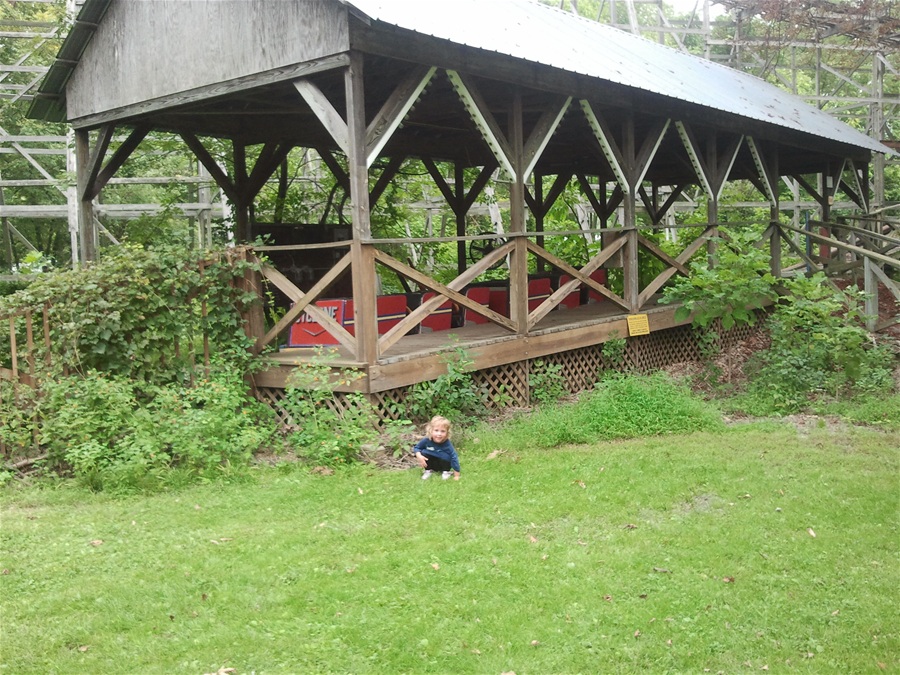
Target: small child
(435,452)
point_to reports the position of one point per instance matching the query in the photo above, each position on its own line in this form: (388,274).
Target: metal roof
(531,31)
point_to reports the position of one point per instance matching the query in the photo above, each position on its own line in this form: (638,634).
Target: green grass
(615,557)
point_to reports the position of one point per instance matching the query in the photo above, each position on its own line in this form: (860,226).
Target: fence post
(870,288)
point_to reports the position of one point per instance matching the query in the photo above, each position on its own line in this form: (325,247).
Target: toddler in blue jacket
(435,452)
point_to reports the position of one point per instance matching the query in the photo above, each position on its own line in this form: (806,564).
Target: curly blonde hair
(437,420)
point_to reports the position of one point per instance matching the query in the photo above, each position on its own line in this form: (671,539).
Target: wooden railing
(522,244)
(22,366)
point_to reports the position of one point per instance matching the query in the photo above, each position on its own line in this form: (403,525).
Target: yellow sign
(638,325)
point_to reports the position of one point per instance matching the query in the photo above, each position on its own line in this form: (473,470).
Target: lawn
(757,548)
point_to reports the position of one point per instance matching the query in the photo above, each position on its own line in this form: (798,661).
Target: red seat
(481,295)
(439,319)
(600,277)
(538,291)
(573,299)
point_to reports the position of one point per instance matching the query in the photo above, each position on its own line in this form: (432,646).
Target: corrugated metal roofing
(537,33)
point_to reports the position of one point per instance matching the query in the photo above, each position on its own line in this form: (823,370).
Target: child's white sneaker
(427,474)
(446,474)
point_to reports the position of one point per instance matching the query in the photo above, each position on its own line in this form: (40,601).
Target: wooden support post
(518,267)
(631,283)
(87,230)
(362,255)
(459,187)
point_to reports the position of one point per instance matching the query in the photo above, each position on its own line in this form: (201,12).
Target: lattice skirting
(507,385)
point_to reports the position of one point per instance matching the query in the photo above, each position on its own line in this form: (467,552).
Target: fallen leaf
(360,490)
(96,542)
(196,507)
(608,598)
(544,557)
(764,668)
(637,633)
(204,597)
(728,580)
(582,543)
(494,562)
(83,648)
(579,483)
(669,642)
(532,538)
(351,570)
(811,532)
(495,454)
(435,566)
(5,571)
(836,612)
(535,643)
(881,665)
(662,570)
(630,526)
(643,596)
(477,652)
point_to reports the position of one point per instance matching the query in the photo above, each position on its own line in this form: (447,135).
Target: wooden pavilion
(513,86)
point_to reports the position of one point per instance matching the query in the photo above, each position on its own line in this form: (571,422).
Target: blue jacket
(444,451)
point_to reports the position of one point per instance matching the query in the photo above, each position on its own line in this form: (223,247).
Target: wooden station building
(507,87)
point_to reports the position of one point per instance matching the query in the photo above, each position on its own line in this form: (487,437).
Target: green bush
(819,348)
(140,313)
(621,406)
(453,394)
(546,382)
(111,435)
(325,431)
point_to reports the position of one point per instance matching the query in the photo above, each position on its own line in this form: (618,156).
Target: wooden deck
(418,358)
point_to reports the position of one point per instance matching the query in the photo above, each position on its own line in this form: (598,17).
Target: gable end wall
(148,49)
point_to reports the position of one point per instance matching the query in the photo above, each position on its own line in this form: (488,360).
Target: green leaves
(139,313)
(739,282)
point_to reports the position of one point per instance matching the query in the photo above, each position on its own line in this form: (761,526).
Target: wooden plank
(662,255)
(695,154)
(245,45)
(394,110)
(689,251)
(540,136)
(846,247)
(510,349)
(608,145)
(648,150)
(302,302)
(448,292)
(122,153)
(323,109)
(584,273)
(481,114)
(94,163)
(215,171)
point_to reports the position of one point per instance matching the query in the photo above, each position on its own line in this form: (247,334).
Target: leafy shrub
(546,382)
(140,313)
(739,282)
(819,347)
(112,435)
(621,406)
(323,432)
(453,394)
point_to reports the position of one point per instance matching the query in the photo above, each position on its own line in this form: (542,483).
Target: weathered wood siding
(144,50)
